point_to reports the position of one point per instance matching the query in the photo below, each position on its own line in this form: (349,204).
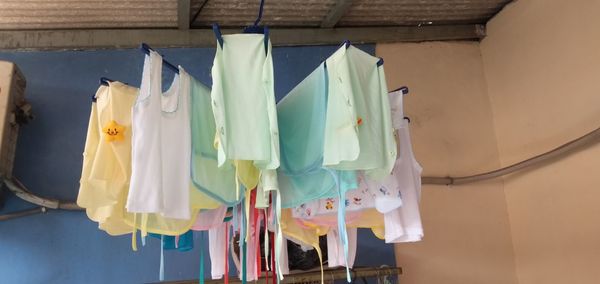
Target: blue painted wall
(66,247)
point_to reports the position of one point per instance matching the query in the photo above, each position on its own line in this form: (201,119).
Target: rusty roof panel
(416,12)
(281,13)
(78,14)
(90,14)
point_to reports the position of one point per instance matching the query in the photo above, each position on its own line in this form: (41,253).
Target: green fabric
(243,100)
(301,115)
(359,133)
(218,183)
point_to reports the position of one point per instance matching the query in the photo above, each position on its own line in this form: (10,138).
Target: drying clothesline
(355,111)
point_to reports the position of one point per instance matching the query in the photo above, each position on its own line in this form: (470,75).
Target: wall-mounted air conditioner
(14,110)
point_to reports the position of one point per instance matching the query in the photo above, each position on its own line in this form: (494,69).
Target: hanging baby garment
(355,200)
(161,148)
(335,251)
(358,207)
(107,158)
(217,245)
(301,115)
(207,177)
(209,219)
(368,219)
(358,132)
(403,224)
(396,196)
(243,103)
(161,143)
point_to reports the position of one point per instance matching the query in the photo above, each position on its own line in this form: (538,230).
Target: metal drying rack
(314,276)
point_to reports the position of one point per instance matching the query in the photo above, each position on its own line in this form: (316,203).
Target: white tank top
(161,144)
(404,223)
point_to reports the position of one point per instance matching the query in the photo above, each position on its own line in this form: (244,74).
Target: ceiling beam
(106,39)
(198,13)
(336,13)
(183,14)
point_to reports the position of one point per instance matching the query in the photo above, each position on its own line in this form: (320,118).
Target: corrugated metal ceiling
(279,13)
(89,14)
(85,14)
(415,12)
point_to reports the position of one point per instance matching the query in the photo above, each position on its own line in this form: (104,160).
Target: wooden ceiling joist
(183,14)
(336,13)
(130,38)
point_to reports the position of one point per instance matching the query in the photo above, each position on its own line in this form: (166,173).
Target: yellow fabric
(306,236)
(106,169)
(165,226)
(107,158)
(199,200)
(292,230)
(369,218)
(247,173)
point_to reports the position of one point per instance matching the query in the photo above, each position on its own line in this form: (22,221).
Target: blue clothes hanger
(404,90)
(347,44)
(146,49)
(254,29)
(103,81)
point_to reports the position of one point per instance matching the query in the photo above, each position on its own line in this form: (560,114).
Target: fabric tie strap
(226,254)
(134,233)
(161,273)
(201,278)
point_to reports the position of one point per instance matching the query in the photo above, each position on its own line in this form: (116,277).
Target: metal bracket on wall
(559,152)
(16,187)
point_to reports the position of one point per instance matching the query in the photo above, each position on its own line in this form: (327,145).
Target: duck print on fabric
(329,203)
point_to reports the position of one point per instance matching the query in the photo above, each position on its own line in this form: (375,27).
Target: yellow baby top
(106,168)
(107,158)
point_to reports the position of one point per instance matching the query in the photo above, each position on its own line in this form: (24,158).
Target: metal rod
(197,13)
(23,213)
(146,49)
(315,276)
(260,12)
(565,149)
(22,192)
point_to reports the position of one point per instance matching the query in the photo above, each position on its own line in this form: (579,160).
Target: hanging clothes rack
(315,276)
